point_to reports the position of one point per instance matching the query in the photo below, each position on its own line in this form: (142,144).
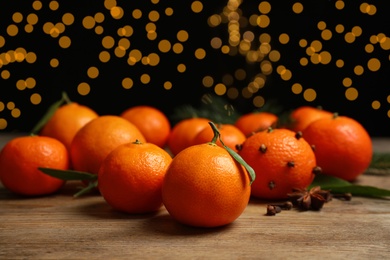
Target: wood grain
(61,227)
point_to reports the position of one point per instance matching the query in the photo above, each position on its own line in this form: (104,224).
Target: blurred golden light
(309,94)
(339,4)
(3,124)
(99,17)
(93,72)
(154,16)
(297,8)
(104,56)
(197,6)
(127,83)
(358,70)
(67,19)
(167,85)
(264,7)
(145,78)
(178,48)
(339,28)
(347,82)
(15,113)
(83,88)
(326,34)
(5,74)
(296,88)
(258,101)
(35,99)
(88,22)
(17,17)
(375,104)
(164,46)
(233,93)
(137,14)
(220,89)
(351,93)
(37,5)
(321,25)
(54,5)
(374,64)
(10,105)
(12,30)
(108,42)
(340,63)
(65,42)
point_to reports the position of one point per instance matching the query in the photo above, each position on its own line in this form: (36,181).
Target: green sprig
(49,113)
(337,185)
(236,156)
(71,175)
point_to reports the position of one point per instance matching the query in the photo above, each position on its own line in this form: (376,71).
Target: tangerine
(183,133)
(130,177)
(343,147)
(20,159)
(152,123)
(282,160)
(66,121)
(255,121)
(231,136)
(302,116)
(205,186)
(94,141)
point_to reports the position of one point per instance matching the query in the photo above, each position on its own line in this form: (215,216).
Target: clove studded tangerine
(206,186)
(282,160)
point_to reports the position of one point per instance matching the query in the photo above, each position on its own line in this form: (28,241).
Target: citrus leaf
(68,175)
(239,159)
(91,185)
(360,190)
(46,117)
(235,155)
(49,113)
(337,185)
(380,161)
(327,180)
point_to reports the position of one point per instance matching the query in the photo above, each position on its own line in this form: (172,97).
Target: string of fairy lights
(246,33)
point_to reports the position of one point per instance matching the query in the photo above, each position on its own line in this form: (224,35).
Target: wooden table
(61,227)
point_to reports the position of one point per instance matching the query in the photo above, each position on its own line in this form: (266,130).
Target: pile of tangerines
(202,172)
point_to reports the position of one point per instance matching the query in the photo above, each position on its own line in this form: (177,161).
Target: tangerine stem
(236,156)
(66,98)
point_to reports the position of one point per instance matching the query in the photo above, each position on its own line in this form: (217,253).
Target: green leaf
(337,185)
(328,181)
(235,155)
(380,161)
(91,186)
(49,113)
(69,175)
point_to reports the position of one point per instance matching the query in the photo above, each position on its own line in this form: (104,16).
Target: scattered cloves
(271,185)
(273,210)
(291,164)
(342,196)
(317,170)
(298,135)
(263,148)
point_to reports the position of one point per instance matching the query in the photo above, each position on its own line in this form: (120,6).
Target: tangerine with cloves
(283,161)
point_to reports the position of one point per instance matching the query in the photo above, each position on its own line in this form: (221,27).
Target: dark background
(107,96)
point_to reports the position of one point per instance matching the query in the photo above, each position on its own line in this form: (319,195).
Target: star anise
(312,199)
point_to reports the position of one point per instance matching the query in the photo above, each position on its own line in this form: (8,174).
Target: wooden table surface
(61,227)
